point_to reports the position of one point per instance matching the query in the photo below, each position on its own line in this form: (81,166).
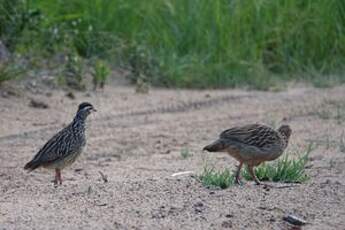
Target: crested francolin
(65,146)
(251,145)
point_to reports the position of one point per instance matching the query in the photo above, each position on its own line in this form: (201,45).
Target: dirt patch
(123,179)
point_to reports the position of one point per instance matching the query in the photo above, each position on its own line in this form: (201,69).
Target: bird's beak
(94,110)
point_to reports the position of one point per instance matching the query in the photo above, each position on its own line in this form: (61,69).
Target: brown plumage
(251,145)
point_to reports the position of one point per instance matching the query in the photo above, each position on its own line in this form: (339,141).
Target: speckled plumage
(65,146)
(252,144)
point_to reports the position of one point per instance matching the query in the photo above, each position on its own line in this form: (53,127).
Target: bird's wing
(253,135)
(54,149)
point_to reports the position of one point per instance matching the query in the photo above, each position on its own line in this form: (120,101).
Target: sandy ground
(136,141)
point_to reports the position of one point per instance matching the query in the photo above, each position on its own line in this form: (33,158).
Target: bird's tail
(32,165)
(217,146)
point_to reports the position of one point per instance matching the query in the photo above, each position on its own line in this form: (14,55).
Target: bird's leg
(237,178)
(252,173)
(55,181)
(57,177)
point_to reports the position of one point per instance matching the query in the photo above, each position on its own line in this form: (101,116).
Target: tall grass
(202,43)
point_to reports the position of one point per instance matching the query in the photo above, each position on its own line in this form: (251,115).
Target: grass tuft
(211,178)
(100,74)
(286,170)
(185,153)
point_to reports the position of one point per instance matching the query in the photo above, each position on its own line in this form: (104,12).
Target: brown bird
(251,145)
(65,147)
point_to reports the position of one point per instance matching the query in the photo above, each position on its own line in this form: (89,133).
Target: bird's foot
(238,182)
(57,182)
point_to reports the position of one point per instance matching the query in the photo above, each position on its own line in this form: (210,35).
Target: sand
(135,141)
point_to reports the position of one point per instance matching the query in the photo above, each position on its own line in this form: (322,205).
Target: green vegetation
(194,43)
(185,153)
(287,170)
(212,178)
(73,72)
(100,74)
(10,71)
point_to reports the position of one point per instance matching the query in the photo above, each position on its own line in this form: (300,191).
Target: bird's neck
(81,115)
(286,140)
(79,120)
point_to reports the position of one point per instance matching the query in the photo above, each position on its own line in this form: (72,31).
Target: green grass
(100,73)
(10,70)
(190,43)
(185,153)
(211,178)
(73,72)
(286,170)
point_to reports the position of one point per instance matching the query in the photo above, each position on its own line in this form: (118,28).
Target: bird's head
(85,108)
(285,130)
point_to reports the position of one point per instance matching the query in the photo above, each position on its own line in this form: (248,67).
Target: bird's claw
(239,182)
